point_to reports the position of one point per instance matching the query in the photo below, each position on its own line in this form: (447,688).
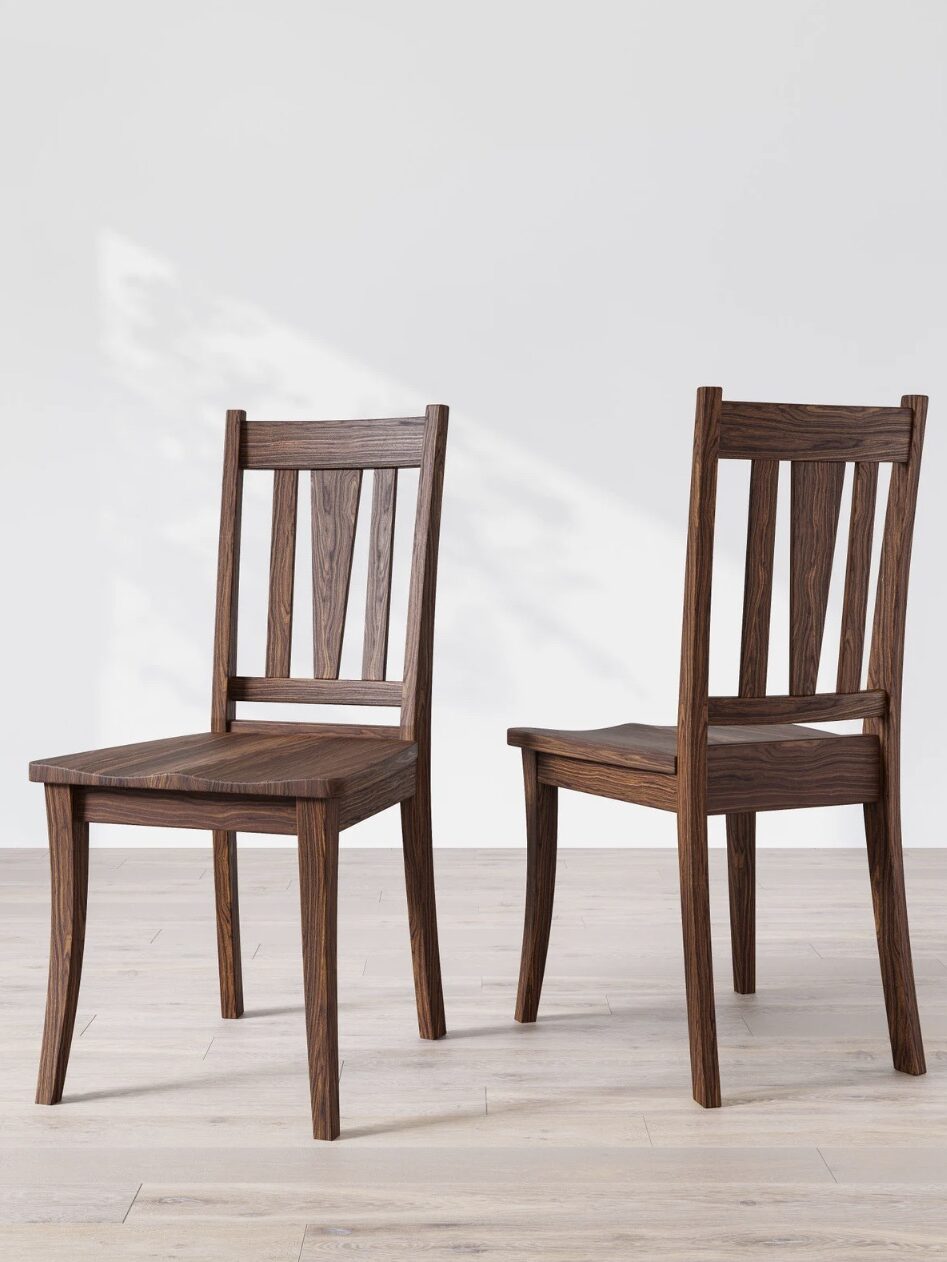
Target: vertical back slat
(758,586)
(815,505)
(335,496)
(855,605)
(380,553)
(228,573)
(279,625)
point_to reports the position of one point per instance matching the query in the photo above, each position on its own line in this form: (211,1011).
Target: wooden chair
(277,777)
(754,756)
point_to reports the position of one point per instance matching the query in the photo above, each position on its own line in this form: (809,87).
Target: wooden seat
(308,766)
(650,748)
(755,767)
(739,755)
(258,775)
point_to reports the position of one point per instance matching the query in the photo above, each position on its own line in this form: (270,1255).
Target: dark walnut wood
(741,755)
(542,806)
(279,627)
(254,775)
(69,870)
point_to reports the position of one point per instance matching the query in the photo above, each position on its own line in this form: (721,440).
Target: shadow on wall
(558,603)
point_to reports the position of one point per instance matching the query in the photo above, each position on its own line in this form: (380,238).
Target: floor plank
(183,1136)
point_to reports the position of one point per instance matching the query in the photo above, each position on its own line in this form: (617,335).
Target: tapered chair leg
(69,867)
(886,867)
(542,809)
(229,964)
(741,868)
(318,830)
(698,959)
(422,910)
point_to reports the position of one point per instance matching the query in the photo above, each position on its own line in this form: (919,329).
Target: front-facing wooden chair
(307,779)
(735,756)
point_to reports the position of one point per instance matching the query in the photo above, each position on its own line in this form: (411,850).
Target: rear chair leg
(886,867)
(422,910)
(228,924)
(741,867)
(317,823)
(69,866)
(698,958)
(542,808)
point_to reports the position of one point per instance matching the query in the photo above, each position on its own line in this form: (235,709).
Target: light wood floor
(182,1136)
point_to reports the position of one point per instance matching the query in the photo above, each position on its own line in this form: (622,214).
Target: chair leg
(698,958)
(741,868)
(542,809)
(886,867)
(422,910)
(228,924)
(317,824)
(69,867)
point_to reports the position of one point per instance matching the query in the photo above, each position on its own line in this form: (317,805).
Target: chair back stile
(818,441)
(336,454)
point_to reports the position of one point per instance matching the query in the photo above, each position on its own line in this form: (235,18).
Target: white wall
(558,218)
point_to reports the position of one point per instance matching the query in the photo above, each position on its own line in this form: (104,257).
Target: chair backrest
(336,454)
(818,442)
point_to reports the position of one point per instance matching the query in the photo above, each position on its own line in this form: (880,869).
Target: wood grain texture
(377,795)
(692,754)
(318,824)
(380,557)
(317,691)
(883,823)
(754,664)
(279,625)
(310,779)
(816,500)
(646,747)
(235,762)
(819,707)
(741,755)
(758,582)
(741,874)
(636,745)
(227,907)
(335,497)
(572,1139)
(228,573)
(622,784)
(69,873)
(791,431)
(788,775)
(289,727)
(224,812)
(418,850)
(393,443)
(857,577)
(542,805)
(419,640)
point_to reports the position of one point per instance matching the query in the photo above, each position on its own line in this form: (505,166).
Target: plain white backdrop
(558,218)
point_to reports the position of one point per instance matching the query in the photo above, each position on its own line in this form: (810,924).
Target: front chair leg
(698,957)
(69,867)
(741,869)
(317,823)
(422,911)
(229,964)
(886,866)
(542,806)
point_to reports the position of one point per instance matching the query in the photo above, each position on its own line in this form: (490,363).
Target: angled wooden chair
(736,756)
(308,779)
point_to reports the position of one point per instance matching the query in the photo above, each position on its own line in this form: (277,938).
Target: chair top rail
(796,431)
(395,443)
